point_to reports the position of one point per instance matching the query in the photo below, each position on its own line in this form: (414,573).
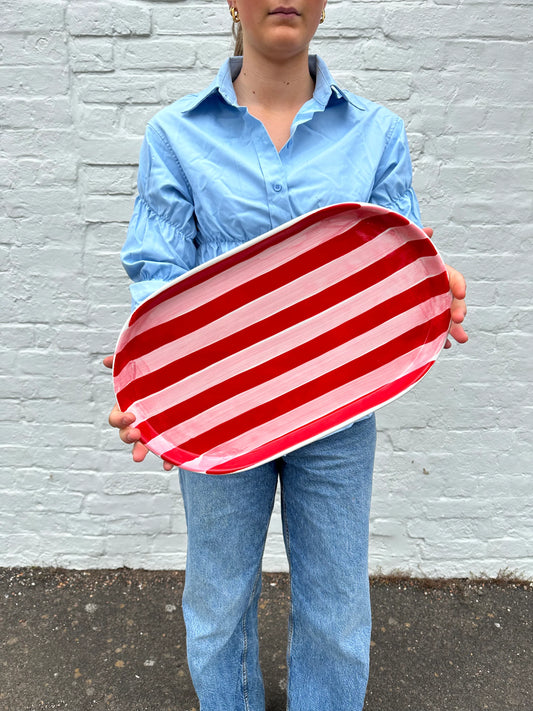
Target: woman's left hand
(458,307)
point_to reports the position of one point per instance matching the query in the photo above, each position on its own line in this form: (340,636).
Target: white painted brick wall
(79,79)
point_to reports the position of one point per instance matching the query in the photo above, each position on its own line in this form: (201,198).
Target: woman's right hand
(130,435)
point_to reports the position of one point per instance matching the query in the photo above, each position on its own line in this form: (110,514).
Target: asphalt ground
(115,640)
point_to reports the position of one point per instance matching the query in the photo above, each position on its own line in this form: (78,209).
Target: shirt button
(277,187)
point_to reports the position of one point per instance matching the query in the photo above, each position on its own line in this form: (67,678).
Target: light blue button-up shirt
(210,178)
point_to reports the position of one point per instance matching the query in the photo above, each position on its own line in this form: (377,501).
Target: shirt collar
(325,86)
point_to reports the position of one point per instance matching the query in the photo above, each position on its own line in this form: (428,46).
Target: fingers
(458,308)
(139,452)
(128,434)
(457,283)
(131,435)
(119,419)
(123,421)
(428,231)
(458,333)
(458,311)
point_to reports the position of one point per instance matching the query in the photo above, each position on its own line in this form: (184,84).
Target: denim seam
(291,614)
(244,670)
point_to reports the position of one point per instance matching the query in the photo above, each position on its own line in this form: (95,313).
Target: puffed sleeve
(159,244)
(393,182)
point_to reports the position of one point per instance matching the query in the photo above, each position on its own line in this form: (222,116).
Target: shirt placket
(273,172)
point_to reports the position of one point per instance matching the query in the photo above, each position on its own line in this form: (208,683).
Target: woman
(272,138)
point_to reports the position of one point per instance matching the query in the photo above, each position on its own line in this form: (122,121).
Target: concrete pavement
(115,640)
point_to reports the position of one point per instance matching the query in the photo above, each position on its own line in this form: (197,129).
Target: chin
(285,44)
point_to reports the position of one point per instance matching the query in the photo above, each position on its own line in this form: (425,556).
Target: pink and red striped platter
(284,339)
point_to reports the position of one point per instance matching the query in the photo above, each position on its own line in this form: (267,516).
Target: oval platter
(284,339)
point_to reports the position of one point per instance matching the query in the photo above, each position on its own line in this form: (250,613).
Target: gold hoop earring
(235,15)
(322,16)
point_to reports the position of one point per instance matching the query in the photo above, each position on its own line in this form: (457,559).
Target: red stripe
(209,355)
(280,235)
(153,338)
(314,429)
(291,359)
(315,388)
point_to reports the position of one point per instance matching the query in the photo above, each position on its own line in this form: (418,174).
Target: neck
(267,82)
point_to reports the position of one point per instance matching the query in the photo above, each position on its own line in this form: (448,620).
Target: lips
(282,10)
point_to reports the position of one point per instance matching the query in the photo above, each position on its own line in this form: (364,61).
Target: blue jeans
(325,495)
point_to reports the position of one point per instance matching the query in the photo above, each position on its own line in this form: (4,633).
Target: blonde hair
(236,31)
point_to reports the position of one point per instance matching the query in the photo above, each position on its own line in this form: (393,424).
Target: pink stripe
(300,396)
(240,295)
(236,425)
(264,263)
(301,333)
(285,382)
(314,282)
(253,248)
(306,414)
(321,427)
